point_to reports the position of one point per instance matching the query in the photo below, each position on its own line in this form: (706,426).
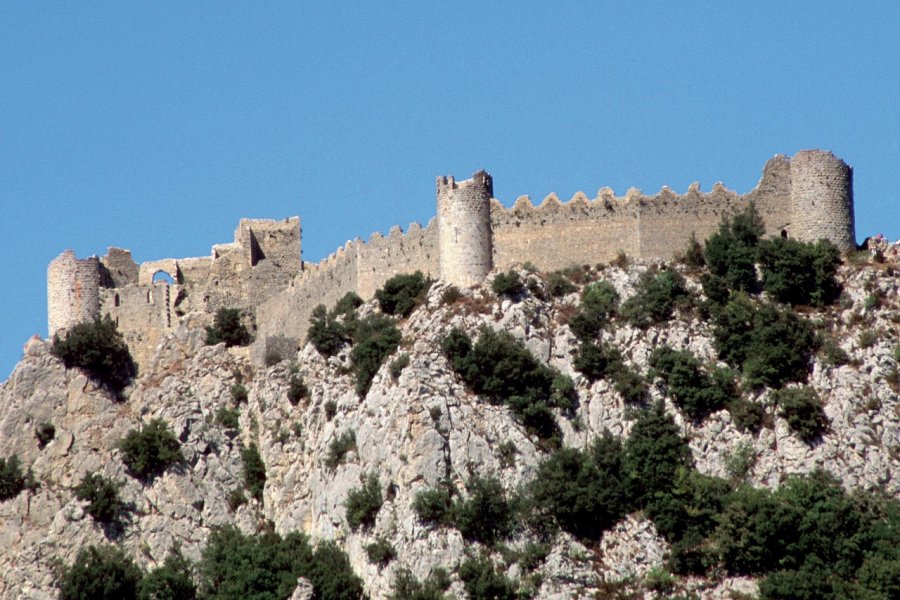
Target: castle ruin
(808,196)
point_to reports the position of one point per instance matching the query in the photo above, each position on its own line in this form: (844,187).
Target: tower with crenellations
(465,240)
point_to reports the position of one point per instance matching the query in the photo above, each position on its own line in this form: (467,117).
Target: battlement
(807,196)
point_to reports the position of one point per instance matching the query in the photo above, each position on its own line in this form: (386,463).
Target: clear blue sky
(156,128)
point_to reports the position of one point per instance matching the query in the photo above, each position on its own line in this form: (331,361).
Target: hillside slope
(417,431)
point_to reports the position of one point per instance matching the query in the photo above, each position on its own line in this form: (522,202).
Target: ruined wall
(143,314)
(822,198)
(73,291)
(556,235)
(464,228)
(383,257)
(121,270)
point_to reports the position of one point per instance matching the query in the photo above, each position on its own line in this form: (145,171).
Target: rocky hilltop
(419,426)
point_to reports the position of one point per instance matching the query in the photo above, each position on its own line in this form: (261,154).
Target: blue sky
(157,127)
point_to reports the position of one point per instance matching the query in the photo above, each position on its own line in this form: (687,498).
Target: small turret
(822,199)
(465,239)
(73,291)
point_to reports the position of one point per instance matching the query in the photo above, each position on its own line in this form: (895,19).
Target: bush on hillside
(338,449)
(582,492)
(100,573)
(802,409)
(599,302)
(12,480)
(654,453)
(798,272)
(297,390)
(363,503)
(171,580)
(507,284)
(771,345)
(266,566)
(746,415)
(503,371)
(481,579)
(656,297)
(485,515)
(376,337)
(433,506)
(98,348)
(326,333)
(401,294)
(694,391)
(381,551)
(731,252)
(44,433)
(597,360)
(149,451)
(254,471)
(559,285)
(102,496)
(228,328)
(407,587)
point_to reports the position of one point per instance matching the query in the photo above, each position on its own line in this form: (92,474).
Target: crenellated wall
(808,196)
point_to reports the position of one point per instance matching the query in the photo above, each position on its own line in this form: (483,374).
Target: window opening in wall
(116,300)
(163,277)
(149,296)
(784,233)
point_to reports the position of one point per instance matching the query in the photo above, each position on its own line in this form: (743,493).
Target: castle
(807,196)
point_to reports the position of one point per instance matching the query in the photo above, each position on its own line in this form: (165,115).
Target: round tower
(822,199)
(465,239)
(73,291)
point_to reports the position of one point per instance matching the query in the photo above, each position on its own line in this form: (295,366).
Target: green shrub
(746,415)
(451,295)
(503,371)
(228,328)
(655,298)
(407,587)
(98,348)
(802,409)
(397,365)
(235,566)
(507,284)
(239,393)
(12,481)
(236,499)
(326,333)
(297,390)
(330,409)
(100,573)
(148,452)
(831,352)
(695,392)
(692,255)
(485,515)
(581,492)
(654,452)
(772,346)
(558,284)
(659,580)
(363,503)
(102,495)
(597,360)
(44,433)
(254,472)
(381,551)
(798,272)
(731,252)
(631,386)
(338,449)
(432,507)
(170,581)
(739,463)
(376,337)
(599,302)
(228,417)
(272,357)
(347,305)
(481,579)
(401,294)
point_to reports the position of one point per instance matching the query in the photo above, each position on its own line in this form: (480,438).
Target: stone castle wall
(808,197)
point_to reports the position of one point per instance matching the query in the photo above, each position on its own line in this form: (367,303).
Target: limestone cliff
(412,432)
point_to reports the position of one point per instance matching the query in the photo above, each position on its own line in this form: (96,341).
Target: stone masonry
(808,196)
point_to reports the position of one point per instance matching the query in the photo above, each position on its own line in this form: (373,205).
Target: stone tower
(465,239)
(73,291)
(822,199)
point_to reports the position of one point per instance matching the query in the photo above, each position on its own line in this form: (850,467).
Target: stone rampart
(73,291)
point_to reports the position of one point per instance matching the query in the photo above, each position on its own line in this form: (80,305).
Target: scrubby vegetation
(657,295)
(507,284)
(98,348)
(101,573)
(102,496)
(401,294)
(363,503)
(599,303)
(376,337)
(149,451)
(503,371)
(228,328)
(254,472)
(407,587)
(12,480)
(297,390)
(339,447)
(44,433)
(696,392)
(802,409)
